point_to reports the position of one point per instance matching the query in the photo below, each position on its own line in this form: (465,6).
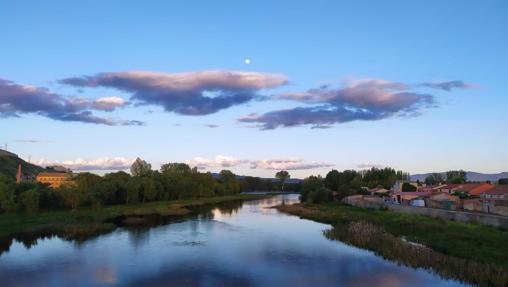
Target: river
(236,244)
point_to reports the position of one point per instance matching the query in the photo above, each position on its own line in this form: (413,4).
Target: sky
(256,86)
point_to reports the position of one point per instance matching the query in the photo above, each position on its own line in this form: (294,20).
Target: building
(469,188)
(443,200)
(472,204)
(495,200)
(499,192)
(58,168)
(55,179)
(378,191)
(408,198)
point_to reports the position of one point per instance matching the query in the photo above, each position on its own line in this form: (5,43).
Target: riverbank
(479,243)
(97,218)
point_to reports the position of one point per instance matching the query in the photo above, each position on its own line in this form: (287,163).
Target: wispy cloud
(104,163)
(222,161)
(192,93)
(366,100)
(28,141)
(212,126)
(448,86)
(16,99)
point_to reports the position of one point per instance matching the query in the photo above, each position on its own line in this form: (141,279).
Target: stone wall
(463,216)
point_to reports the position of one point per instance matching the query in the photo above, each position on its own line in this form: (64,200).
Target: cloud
(448,86)
(104,163)
(109,103)
(212,126)
(366,100)
(16,99)
(370,165)
(221,161)
(28,141)
(192,93)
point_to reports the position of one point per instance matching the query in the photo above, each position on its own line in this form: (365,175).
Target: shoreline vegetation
(470,253)
(174,181)
(97,220)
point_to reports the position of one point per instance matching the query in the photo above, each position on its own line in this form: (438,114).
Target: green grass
(477,242)
(15,223)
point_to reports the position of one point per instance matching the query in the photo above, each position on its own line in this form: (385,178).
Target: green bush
(30,201)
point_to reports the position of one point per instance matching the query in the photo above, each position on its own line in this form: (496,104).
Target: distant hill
(9,166)
(471,176)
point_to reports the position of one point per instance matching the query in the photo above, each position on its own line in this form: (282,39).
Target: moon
(247,61)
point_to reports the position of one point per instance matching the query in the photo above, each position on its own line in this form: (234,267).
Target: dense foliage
(337,185)
(407,187)
(456,177)
(173,181)
(434,179)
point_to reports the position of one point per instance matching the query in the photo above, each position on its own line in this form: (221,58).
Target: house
(378,191)
(406,197)
(496,192)
(469,188)
(472,204)
(495,200)
(55,179)
(443,200)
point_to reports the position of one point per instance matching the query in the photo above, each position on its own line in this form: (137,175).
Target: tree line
(174,181)
(337,185)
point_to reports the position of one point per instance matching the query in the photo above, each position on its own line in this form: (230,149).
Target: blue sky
(344,56)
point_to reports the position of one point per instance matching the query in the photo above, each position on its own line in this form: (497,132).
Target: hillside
(9,166)
(471,176)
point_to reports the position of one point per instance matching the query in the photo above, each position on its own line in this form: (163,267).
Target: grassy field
(480,243)
(15,223)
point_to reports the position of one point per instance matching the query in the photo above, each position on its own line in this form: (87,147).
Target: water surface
(236,244)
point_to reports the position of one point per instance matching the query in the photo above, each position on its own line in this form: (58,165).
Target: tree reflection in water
(137,225)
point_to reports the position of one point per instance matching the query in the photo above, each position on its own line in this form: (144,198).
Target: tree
(7,195)
(132,194)
(150,188)
(503,181)
(71,196)
(282,176)
(314,190)
(456,177)
(434,179)
(88,186)
(176,167)
(333,179)
(229,183)
(407,187)
(30,200)
(141,168)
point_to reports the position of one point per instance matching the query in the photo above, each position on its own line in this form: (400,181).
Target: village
(481,197)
